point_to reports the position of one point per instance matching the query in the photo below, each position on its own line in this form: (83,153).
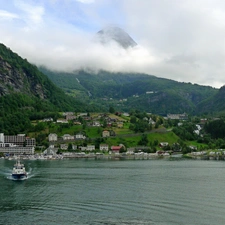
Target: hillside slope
(17,75)
(127,91)
(27,94)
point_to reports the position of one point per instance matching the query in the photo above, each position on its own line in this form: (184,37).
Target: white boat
(19,171)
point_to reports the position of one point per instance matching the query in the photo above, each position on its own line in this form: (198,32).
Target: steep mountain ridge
(13,79)
(18,76)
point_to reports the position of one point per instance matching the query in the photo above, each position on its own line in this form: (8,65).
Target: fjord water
(155,192)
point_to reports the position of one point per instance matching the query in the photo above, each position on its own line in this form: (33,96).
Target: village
(79,145)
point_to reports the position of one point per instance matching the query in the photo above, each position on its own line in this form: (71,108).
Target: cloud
(31,14)
(5,15)
(86,1)
(182,40)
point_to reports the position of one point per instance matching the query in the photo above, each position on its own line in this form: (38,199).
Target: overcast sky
(182,40)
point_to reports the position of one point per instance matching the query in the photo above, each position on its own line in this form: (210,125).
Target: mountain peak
(113,33)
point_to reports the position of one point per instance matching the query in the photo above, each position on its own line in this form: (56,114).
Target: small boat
(19,171)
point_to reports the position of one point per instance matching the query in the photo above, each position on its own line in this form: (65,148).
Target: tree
(144,140)
(122,149)
(133,119)
(111,109)
(70,147)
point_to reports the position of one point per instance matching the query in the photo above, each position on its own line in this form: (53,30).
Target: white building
(67,137)
(62,121)
(104,147)
(17,150)
(90,148)
(52,137)
(63,146)
(80,136)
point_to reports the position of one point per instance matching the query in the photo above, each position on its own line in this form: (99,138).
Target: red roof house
(116,148)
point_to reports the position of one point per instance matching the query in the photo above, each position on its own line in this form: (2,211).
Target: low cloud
(183,41)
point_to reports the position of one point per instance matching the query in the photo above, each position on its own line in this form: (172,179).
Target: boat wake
(7,173)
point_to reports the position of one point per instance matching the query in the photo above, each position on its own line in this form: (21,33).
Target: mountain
(112,33)
(128,91)
(17,75)
(215,104)
(27,94)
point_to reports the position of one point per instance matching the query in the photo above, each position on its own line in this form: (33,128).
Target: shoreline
(119,156)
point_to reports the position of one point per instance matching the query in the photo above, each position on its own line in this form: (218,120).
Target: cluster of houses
(89,148)
(69,116)
(53,138)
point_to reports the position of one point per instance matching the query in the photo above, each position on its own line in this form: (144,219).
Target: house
(105,133)
(163,144)
(70,117)
(126,114)
(116,148)
(50,151)
(79,136)
(82,148)
(74,147)
(130,151)
(120,124)
(151,121)
(52,137)
(68,114)
(62,121)
(66,137)
(96,124)
(183,116)
(47,120)
(104,147)
(77,123)
(64,146)
(90,148)
(82,114)
(162,153)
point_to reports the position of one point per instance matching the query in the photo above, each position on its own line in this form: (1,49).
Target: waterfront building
(19,140)
(90,148)
(104,147)
(11,149)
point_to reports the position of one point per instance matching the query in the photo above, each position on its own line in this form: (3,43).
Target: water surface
(88,191)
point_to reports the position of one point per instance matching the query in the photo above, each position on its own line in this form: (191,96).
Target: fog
(179,40)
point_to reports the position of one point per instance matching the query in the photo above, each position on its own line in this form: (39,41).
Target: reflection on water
(168,192)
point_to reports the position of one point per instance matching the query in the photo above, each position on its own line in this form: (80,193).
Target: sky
(182,40)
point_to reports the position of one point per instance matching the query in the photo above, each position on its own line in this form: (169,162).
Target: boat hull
(19,176)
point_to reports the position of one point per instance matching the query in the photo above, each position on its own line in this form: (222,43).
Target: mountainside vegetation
(26,93)
(127,91)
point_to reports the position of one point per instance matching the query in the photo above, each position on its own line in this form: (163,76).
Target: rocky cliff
(17,75)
